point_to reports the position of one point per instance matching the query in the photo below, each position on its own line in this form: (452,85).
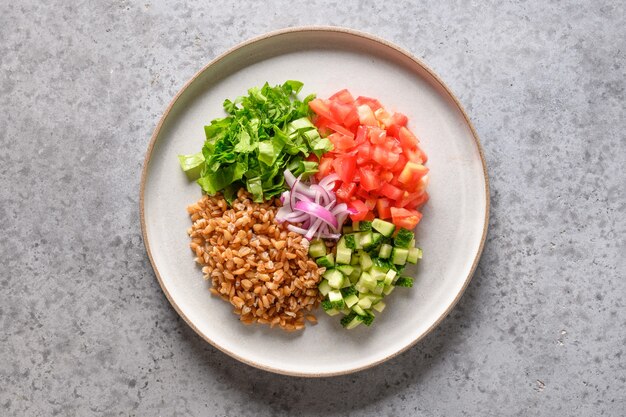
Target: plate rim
(259,38)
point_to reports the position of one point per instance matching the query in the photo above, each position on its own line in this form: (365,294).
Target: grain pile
(257,265)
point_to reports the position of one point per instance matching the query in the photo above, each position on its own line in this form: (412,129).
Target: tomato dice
(345,167)
(384,208)
(402,217)
(412,173)
(359,210)
(342,96)
(391,192)
(377,158)
(372,103)
(346,191)
(369,179)
(366,116)
(321,108)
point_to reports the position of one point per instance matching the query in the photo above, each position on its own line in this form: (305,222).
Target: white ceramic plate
(451,233)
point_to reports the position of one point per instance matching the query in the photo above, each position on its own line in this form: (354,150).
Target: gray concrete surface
(85,328)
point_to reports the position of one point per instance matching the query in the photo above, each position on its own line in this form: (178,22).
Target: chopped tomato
(346,113)
(412,200)
(384,208)
(407,139)
(369,179)
(399,166)
(371,102)
(359,209)
(361,136)
(377,158)
(366,116)
(342,96)
(346,191)
(386,176)
(391,192)
(370,203)
(384,157)
(412,173)
(345,167)
(399,119)
(377,136)
(402,217)
(340,129)
(325,167)
(341,142)
(321,108)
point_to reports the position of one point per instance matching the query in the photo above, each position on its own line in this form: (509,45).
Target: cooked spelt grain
(258,266)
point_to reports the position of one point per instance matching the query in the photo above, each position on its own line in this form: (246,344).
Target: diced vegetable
(317,249)
(327,261)
(385,251)
(343,256)
(399,255)
(403,238)
(385,228)
(334,277)
(415,254)
(404,282)
(377,159)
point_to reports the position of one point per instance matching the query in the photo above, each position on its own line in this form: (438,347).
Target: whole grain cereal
(254,263)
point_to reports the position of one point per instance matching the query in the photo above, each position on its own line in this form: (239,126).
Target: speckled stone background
(85,328)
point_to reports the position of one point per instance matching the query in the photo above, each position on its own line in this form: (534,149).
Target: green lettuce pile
(265,133)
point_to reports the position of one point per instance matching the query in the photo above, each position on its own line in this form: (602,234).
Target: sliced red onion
(313,207)
(318,211)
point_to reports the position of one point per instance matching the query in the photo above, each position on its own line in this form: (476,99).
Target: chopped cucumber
(317,249)
(350,241)
(343,256)
(360,287)
(385,251)
(378,289)
(351,300)
(378,272)
(341,244)
(346,269)
(336,299)
(415,254)
(334,277)
(377,239)
(324,288)
(379,306)
(364,267)
(403,238)
(366,261)
(351,321)
(358,310)
(399,255)
(327,261)
(366,239)
(388,289)
(326,305)
(389,277)
(350,290)
(368,319)
(404,282)
(367,281)
(365,303)
(365,226)
(383,227)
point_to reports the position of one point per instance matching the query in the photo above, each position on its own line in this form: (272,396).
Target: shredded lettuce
(265,133)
